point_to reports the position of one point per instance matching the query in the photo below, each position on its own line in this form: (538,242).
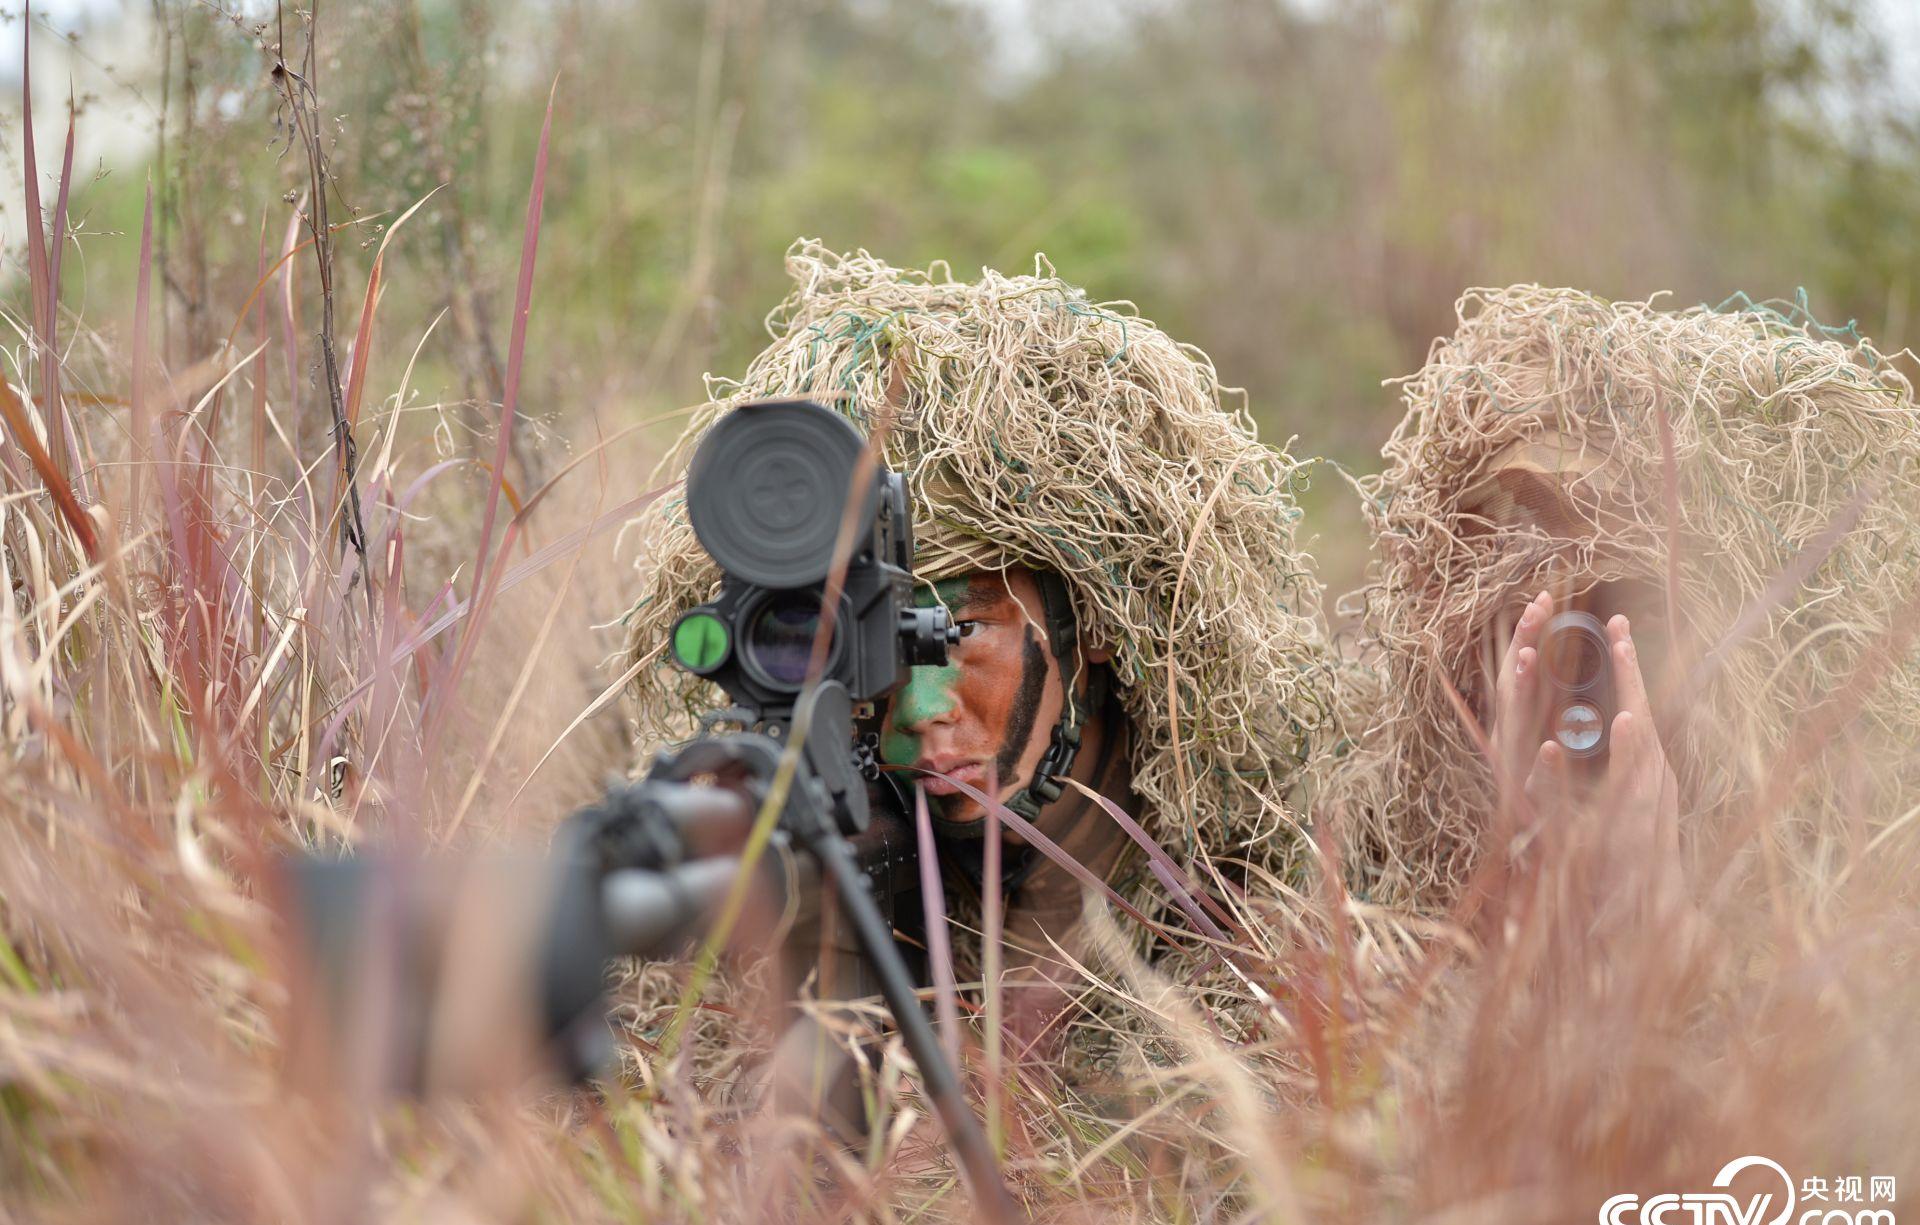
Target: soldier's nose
(927,698)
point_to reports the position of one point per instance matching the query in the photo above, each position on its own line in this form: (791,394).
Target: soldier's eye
(967,628)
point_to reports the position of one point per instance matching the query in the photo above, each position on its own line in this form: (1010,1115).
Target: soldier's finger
(1520,680)
(1630,688)
(1653,783)
(1630,775)
(1516,720)
(1526,634)
(1514,686)
(1545,782)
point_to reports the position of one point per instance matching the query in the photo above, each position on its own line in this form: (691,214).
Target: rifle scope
(770,490)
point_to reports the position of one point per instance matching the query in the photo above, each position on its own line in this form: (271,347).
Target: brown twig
(302,100)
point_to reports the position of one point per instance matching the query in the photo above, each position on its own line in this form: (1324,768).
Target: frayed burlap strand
(1039,428)
(1779,430)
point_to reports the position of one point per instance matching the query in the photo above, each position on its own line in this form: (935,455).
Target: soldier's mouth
(941,777)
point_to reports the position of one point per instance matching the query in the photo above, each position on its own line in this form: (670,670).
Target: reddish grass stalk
(939,949)
(55,408)
(517,342)
(992,920)
(137,390)
(1338,960)
(43,274)
(448,683)
(36,225)
(15,413)
(362,345)
(1186,892)
(1054,851)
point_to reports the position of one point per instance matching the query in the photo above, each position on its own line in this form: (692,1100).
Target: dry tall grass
(197,675)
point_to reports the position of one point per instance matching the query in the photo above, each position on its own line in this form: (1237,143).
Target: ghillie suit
(1533,454)
(1038,428)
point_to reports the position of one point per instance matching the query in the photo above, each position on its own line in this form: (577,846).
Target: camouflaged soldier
(1733,495)
(1118,550)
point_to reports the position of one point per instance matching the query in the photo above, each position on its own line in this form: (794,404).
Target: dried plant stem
(301,94)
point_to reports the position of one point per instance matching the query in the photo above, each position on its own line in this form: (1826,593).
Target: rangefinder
(1578,669)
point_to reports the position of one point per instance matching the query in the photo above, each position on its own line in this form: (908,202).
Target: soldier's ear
(1099,655)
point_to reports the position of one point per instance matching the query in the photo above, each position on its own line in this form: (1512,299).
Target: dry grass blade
(143,429)
(363,336)
(1051,849)
(40,286)
(55,410)
(77,519)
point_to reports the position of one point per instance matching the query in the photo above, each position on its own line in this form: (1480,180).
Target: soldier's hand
(1639,799)
(1624,826)
(1628,819)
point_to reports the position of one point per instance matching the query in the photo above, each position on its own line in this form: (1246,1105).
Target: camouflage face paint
(1026,706)
(947,592)
(928,693)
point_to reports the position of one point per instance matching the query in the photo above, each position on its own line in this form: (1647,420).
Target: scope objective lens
(779,640)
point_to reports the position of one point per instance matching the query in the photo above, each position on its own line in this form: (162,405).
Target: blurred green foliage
(1302,190)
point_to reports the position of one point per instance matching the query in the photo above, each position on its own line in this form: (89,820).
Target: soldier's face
(988,713)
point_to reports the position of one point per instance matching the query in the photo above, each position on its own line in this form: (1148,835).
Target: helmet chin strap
(1046,785)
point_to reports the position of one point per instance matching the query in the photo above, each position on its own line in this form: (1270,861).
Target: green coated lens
(700,642)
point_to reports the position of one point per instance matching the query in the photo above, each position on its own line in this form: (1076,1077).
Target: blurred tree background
(1301,189)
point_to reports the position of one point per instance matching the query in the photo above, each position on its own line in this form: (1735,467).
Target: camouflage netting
(1039,428)
(1531,456)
